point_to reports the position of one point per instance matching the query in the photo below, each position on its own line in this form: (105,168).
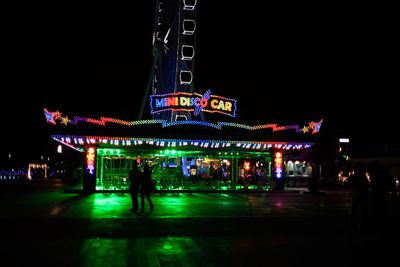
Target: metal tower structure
(173,53)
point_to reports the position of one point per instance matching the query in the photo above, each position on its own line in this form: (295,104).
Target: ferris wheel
(173,53)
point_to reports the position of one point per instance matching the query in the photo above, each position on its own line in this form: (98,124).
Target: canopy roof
(78,132)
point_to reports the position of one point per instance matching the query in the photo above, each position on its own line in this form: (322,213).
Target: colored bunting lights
(56,118)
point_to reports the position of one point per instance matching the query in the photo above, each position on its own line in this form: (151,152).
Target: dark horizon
(284,67)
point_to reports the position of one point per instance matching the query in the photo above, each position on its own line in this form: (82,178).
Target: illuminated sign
(182,101)
(91,159)
(278,164)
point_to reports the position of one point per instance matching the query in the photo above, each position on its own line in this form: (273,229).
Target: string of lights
(57,118)
(80,141)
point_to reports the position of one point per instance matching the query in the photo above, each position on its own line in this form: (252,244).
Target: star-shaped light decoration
(57,115)
(317,126)
(64,120)
(305,129)
(51,117)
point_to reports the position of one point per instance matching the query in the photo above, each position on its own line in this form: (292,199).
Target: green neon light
(110,152)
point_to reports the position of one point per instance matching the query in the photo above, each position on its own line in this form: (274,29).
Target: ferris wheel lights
(189,4)
(187,52)
(185,77)
(189,26)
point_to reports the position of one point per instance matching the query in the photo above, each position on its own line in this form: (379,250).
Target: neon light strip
(173,109)
(202,123)
(278,163)
(313,127)
(72,140)
(91,160)
(68,144)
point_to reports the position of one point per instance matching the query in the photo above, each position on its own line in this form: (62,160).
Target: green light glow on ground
(167,246)
(163,251)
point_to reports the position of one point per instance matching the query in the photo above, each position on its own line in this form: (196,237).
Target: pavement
(51,228)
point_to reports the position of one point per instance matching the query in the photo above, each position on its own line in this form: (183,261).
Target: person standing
(147,187)
(135,180)
(381,182)
(358,182)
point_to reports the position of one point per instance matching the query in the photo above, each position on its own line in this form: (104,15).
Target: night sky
(283,64)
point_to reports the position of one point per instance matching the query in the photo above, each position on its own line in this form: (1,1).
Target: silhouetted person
(380,187)
(358,183)
(135,180)
(258,179)
(147,187)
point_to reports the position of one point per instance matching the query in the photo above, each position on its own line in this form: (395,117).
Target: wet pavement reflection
(197,229)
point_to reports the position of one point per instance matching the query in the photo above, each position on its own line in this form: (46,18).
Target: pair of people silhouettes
(140,182)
